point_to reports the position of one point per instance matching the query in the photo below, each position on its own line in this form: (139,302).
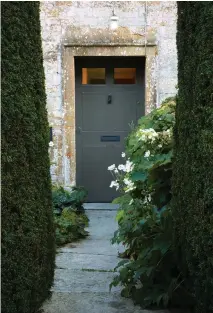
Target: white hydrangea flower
(115,170)
(147,154)
(129,166)
(148,134)
(111,167)
(123,154)
(160,146)
(127,181)
(115,184)
(129,184)
(122,167)
(130,187)
(51,144)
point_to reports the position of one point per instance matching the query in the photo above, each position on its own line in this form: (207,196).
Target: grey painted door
(109,97)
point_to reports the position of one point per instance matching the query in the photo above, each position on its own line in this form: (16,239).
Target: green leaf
(141,176)
(143,270)
(142,222)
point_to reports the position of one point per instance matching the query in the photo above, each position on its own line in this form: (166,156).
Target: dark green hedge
(193,166)
(28,243)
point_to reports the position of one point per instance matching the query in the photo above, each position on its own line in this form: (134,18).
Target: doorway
(109,98)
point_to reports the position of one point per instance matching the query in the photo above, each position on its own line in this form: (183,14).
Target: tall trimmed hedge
(193,166)
(28,244)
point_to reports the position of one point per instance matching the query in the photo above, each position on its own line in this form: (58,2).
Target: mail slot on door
(110,138)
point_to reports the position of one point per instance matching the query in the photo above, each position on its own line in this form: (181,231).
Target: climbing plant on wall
(28,244)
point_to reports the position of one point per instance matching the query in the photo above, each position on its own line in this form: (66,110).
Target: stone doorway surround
(80,41)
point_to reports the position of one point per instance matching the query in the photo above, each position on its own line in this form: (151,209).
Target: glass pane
(93,76)
(124,75)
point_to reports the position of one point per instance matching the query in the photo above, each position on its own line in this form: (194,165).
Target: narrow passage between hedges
(84,270)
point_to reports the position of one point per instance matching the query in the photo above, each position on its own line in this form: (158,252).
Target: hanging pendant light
(113,21)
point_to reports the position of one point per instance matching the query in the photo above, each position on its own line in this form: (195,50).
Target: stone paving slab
(87,261)
(79,281)
(102,224)
(93,247)
(92,303)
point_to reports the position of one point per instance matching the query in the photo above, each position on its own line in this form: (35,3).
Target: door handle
(109,99)
(79,130)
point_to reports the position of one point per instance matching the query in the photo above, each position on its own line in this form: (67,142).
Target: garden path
(84,270)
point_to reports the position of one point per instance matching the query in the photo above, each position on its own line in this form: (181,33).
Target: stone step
(80,281)
(92,303)
(93,247)
(88,261)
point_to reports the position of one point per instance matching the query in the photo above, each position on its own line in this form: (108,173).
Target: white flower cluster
(166,135)
(127,168)
(148,134)
(111,167)
(147,154)
(51,144)
(129,185)
(115,184)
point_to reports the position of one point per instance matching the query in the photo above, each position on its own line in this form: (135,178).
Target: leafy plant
(70,219)
(150,275)
(70,226)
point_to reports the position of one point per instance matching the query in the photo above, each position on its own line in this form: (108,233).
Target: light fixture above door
(113,21)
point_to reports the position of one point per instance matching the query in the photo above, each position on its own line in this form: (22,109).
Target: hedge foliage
(193,166)
(28,243)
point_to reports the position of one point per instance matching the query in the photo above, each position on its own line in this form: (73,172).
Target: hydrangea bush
(150,275)
(148,157)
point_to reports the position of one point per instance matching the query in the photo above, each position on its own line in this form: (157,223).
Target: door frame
(69,53)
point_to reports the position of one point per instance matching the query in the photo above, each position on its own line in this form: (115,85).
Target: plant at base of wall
(70,219)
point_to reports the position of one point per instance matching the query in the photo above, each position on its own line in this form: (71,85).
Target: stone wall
(153,23)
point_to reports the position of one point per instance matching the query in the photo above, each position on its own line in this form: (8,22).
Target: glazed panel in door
(105,108)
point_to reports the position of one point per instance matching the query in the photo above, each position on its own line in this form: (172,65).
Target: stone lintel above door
(122,36)
(81,42)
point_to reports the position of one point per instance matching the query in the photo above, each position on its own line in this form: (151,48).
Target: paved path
(84,271)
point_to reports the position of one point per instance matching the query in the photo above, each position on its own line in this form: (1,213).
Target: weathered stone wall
(150,22)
